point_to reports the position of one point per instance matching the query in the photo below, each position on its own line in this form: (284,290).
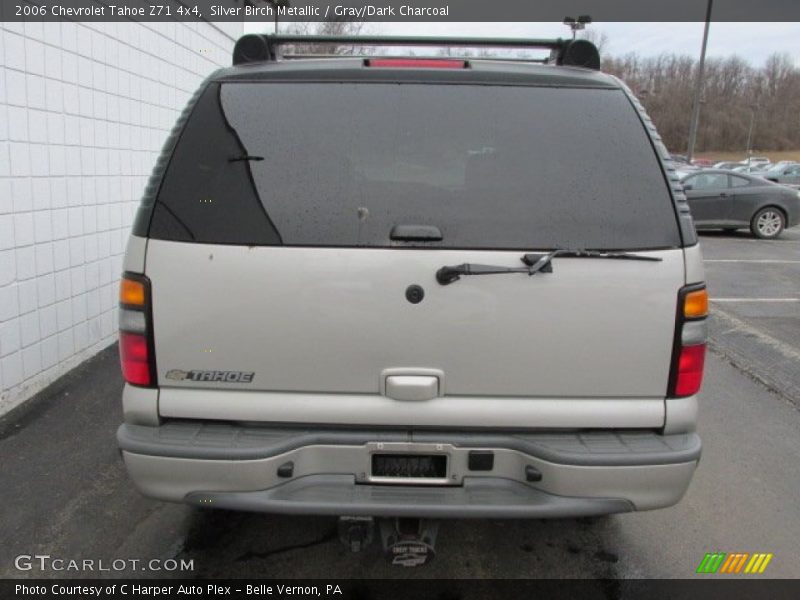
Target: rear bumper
(227,466)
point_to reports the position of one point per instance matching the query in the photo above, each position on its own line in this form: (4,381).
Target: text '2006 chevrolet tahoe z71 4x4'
(403,287)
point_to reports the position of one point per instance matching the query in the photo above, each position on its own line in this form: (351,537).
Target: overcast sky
(752,41)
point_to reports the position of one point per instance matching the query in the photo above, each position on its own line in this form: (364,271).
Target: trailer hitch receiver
(356,532)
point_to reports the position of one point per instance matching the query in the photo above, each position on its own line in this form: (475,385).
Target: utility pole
(275,5)
(750,132)
(698,87)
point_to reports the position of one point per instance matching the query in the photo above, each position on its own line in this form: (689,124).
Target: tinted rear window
(340,164)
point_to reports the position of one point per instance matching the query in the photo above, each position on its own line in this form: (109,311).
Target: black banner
(399,10)
(412,588)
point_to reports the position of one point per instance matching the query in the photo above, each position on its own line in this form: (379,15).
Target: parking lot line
(752,260)
(755,299)
(765,243)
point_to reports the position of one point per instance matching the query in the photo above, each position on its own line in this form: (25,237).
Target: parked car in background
(683,169)
(730,201)
(679,159)
(751,169)
(778,165)
(787,174)
(728,165)
(702,162)
(757,160)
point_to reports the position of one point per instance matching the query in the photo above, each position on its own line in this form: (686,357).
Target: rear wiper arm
(535,263)
(447,275)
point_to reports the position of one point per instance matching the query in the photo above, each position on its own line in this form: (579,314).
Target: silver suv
(403,287)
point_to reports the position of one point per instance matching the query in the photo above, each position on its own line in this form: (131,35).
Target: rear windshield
(341,164)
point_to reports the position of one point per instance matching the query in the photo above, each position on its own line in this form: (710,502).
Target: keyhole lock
(415,294)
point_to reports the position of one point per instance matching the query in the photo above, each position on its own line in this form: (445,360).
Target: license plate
(409,466)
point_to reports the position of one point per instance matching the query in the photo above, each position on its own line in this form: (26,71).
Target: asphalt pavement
(64,491)
(755,290)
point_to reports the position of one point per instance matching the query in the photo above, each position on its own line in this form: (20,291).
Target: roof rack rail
(256,47)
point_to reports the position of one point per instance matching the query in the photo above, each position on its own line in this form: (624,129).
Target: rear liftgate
(410,542)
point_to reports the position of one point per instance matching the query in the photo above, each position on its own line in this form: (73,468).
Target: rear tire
(768,223)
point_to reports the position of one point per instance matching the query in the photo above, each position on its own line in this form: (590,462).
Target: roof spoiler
(263,47)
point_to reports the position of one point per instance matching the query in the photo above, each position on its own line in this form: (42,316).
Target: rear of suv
(413,288)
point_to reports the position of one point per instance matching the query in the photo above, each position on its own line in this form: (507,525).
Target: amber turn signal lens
(131,292)
(695,304)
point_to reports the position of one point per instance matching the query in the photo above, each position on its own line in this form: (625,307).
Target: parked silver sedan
(726,200)
(788,174)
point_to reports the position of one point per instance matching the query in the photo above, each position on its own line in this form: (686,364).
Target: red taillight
(689,352)
(417,63)
(689,377)
(135,332)
(134,355)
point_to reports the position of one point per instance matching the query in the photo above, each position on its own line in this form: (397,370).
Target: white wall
(84,110)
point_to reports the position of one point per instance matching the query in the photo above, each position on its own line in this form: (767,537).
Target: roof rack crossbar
(299,56)
(264,47)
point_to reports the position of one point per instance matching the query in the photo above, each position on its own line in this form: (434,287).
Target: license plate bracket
(423,467)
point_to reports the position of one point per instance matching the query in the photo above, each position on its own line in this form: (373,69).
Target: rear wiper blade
(245,157)
(530,259)
(535,263)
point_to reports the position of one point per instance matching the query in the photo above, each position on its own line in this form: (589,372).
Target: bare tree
(733,91)
(598,38)
(334,27)
(736,94)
